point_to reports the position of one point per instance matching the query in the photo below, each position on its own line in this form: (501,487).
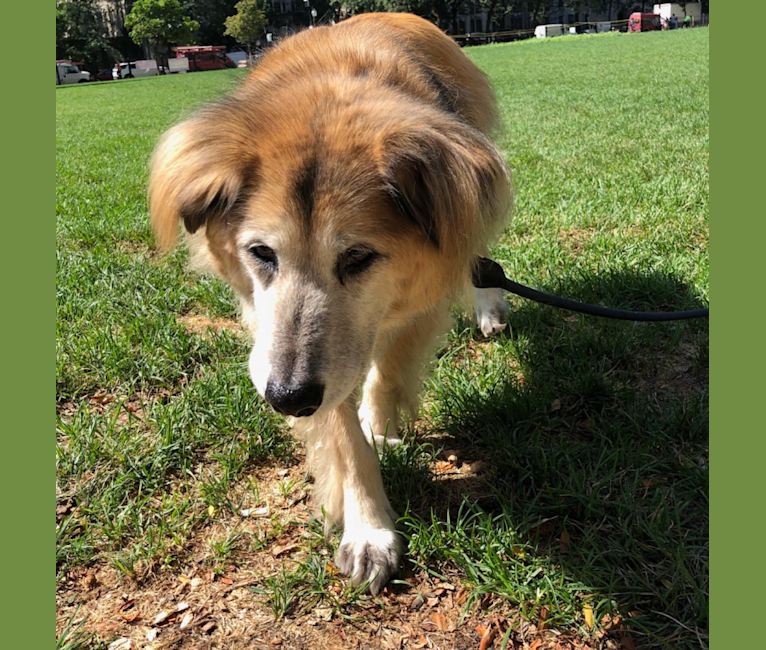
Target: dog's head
(333,229)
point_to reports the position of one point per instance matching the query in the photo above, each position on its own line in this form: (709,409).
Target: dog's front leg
(491,310)
(348,476)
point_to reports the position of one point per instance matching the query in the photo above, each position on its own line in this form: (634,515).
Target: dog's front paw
(491,310)
(370,555)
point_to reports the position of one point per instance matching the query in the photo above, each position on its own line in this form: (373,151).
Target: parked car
(639,22)
(133,69)
(205,57)
(68,73)
(104,75)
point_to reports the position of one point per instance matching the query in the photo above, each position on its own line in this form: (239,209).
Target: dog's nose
(300,401)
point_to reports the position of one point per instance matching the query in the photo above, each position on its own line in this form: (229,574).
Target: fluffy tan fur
(371,136)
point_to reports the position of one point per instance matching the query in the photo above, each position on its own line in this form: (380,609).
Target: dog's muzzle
(299,401)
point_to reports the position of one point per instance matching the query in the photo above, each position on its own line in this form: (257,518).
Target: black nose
(300,401)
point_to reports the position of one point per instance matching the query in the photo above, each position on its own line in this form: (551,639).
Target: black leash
(488,274)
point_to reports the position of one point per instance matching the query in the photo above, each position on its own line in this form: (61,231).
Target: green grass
(593,434)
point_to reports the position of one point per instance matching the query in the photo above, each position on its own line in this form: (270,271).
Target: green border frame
(28,325)
(737,351)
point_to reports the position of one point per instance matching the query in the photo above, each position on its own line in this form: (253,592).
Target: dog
(344,191)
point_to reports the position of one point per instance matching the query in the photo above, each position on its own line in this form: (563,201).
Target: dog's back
(399,50)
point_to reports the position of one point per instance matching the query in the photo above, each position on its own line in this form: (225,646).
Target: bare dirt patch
(576,239)
(204,325)
(199,610)
(207,602)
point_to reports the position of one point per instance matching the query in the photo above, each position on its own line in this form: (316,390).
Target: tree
(160,22)
(210,14)
(81,34)
(247,24)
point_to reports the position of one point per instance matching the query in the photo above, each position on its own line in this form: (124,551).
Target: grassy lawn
(557,478)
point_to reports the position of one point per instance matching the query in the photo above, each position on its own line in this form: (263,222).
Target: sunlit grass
(592,435)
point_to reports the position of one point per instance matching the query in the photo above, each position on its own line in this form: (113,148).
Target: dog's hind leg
(396,375)
(350,489)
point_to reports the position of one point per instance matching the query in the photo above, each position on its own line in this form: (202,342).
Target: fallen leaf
(488,637)
(587,611)
(121,644)
(556,405)
(480,629)
(440,620)
(331,569)
(160,618)
(543,618)
(461,597)
(280,550)
(441,466)
(186,620)
(535,644)
(129,616)
(417,603)
(226,580)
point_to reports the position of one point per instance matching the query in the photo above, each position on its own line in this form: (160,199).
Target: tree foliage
(210,14)
(159,21)
(80,32)
(247,24)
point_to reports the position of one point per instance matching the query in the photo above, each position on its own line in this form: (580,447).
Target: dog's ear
(452,184)
(198,172)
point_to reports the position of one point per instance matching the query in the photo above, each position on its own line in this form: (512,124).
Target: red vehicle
(644,22)
(205,57)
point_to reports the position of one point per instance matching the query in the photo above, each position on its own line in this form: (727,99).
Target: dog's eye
(356,260)
(264,255)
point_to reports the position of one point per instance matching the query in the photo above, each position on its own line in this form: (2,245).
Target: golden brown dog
(344,191)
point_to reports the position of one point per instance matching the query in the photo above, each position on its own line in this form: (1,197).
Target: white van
(544,31)
(68,73)
(144,68)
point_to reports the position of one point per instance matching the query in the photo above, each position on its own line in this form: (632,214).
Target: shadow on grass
(587,445)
